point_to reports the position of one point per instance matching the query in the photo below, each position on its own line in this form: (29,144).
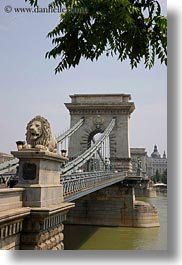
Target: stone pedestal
(39,174)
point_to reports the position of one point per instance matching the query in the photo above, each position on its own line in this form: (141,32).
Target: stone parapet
(100,98)
(10,227)
(105,103)
(11,198)
(12,215)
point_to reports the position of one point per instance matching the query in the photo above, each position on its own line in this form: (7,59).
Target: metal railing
(9,165)
(78,182)
(4,178)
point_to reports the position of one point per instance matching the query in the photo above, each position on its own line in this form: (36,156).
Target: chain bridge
(88,181)
(103,115)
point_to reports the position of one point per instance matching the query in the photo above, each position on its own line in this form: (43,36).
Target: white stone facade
(156,162)
(150,164)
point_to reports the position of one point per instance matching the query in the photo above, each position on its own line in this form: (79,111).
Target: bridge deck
(79,185)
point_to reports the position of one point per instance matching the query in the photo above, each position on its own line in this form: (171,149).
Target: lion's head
(38,132)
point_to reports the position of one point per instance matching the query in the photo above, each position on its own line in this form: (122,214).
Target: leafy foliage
(164,177)
(130,29)
(160,178)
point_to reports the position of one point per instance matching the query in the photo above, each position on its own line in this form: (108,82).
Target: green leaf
(131,29)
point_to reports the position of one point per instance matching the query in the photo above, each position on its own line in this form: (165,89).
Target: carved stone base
(43,229)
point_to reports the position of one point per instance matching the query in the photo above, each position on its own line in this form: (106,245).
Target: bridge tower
(98,110)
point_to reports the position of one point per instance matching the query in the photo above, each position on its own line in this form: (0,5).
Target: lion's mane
(46,139)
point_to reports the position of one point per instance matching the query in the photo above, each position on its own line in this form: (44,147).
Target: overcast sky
(28,85)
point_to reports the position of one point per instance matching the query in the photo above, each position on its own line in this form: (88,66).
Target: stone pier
(113,206)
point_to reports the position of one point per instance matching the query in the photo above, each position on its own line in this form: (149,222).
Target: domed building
(156,162)
(155,153)
(149,165)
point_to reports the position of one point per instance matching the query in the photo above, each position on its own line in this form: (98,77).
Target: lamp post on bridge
(106,163)
(63,152)
(20,145)
(139,167)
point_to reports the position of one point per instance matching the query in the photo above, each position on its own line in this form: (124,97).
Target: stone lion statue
(38,135)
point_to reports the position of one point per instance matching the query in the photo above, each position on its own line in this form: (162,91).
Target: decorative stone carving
(29,171)
(11,229)
(38,135)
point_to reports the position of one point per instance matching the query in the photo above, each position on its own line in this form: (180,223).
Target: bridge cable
(83,158)
(70,131)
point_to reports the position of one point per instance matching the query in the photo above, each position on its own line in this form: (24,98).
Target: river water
(80,237)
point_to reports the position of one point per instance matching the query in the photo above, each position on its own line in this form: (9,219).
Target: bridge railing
(8,165)
(79,181)
(4,178)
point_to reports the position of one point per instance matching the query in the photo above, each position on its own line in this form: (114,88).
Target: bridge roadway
(80,184)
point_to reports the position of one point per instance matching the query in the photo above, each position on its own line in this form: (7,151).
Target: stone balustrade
(12,215)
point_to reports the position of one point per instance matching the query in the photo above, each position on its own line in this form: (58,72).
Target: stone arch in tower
(98,110)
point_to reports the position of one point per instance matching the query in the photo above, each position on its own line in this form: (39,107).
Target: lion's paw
(27,146)
(42,147)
